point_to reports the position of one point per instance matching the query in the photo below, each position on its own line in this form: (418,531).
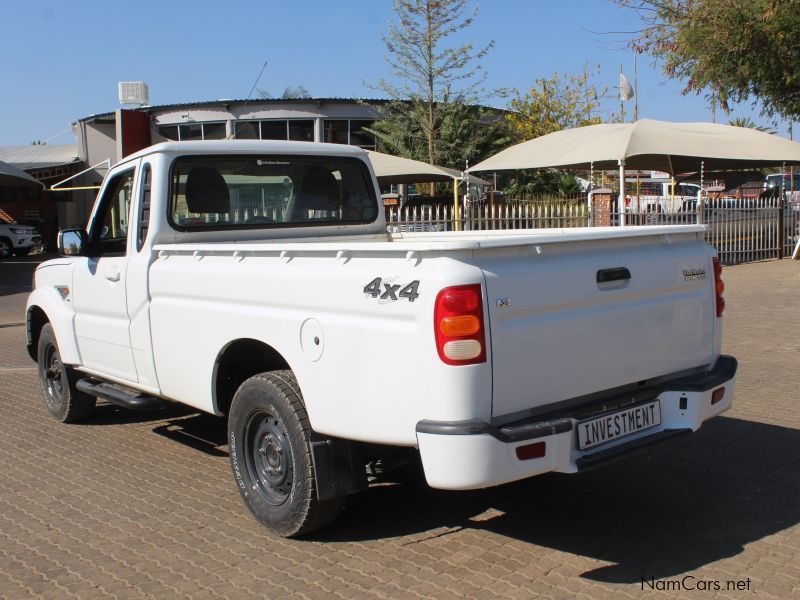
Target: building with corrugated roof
(112,136)
(106,138)
(30,201)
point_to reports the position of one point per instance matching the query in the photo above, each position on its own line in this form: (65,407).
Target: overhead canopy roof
(648,144)
(13,176)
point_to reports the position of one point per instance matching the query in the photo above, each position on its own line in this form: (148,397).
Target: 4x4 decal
(382,290)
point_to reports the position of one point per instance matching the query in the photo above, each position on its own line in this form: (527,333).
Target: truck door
(99,280)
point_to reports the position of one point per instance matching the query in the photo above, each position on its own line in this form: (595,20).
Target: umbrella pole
(622,192)
(700,193)
(591,192)
(456,222)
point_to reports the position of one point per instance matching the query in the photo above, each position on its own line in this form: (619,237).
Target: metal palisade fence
(514,214)
(741,229)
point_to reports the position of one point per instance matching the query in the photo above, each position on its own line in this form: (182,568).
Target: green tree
(732,50)
(465,133)
(559,102)
(295,93)
(431,76)
(748,123)
(289,93)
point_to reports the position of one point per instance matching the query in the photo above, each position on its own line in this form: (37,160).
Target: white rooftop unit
(134,92)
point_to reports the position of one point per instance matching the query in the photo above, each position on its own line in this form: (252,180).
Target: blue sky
(62,60)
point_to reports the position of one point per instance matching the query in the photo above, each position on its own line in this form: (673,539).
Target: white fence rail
(741,229)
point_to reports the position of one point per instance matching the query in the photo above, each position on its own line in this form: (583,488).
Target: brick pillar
(603,201)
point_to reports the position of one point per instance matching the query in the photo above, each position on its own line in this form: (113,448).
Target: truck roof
(249,147)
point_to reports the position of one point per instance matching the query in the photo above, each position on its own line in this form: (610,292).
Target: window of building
(193,131)
(276,129)
(169,131)
(246,130)
(32,217)
(301,131)
(359,137)
(336,131)
(349,131)
(214,131)
(273,130)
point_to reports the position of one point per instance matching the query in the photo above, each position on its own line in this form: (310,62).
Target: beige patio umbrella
(648,144)
(395,169)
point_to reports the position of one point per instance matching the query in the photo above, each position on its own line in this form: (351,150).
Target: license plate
(616,425)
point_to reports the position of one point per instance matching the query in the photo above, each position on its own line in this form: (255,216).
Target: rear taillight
(458,325)
(719,286)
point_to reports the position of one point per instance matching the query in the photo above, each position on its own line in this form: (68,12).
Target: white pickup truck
(257,280)
(17,239)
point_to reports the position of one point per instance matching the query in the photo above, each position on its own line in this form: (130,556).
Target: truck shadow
(107,413)
(201,431)
(183,424)
(670,509)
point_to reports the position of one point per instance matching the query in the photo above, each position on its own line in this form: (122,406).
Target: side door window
(109,232)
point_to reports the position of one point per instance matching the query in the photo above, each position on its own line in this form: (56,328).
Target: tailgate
(559,333)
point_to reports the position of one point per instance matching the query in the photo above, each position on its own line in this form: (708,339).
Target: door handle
(617,274)
(112,274)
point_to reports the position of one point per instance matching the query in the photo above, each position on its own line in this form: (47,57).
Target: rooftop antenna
(255,83)
(135,93)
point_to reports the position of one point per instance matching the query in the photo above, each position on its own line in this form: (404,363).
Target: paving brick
(111,508)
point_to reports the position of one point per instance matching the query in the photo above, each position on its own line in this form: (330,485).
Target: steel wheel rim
(268,457)
(54,378)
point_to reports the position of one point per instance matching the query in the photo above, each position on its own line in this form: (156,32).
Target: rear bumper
(473,454)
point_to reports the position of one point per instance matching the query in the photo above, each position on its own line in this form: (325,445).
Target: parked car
(776,180)
(657,196)
(790,184)
(327,341)
(18,239)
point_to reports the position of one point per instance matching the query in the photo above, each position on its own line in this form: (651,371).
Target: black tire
(6,247)
(22,251)
(64,401)
(270,449)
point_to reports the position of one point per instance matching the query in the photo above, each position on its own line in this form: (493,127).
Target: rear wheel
(270,449)
(64,401)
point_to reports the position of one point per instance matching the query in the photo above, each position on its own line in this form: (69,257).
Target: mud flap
(338,470)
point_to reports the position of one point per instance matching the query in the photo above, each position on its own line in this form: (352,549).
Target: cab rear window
(214,192)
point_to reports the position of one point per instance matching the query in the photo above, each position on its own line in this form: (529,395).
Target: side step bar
(126,399)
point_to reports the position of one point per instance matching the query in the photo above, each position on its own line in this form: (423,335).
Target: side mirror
(72,242)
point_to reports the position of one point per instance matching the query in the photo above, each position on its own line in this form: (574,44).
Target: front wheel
(270,450)
(63,399)
(6,247)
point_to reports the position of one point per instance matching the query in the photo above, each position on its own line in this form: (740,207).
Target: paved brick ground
(128,505)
